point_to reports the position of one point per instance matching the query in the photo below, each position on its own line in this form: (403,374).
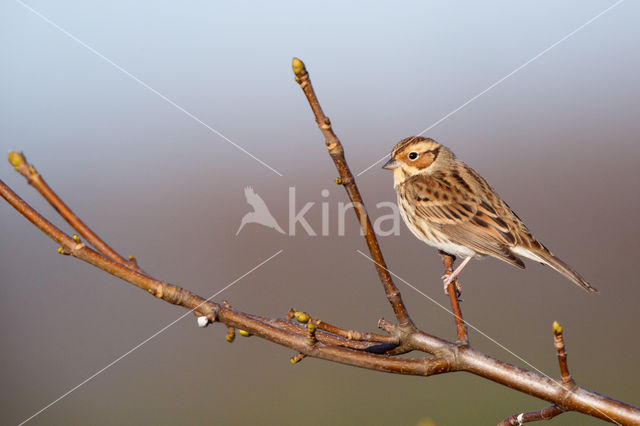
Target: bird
(449,206)
(260,213)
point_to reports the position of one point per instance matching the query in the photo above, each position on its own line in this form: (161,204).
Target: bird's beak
(391,164)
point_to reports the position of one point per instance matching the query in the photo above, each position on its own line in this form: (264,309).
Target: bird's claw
(448,279)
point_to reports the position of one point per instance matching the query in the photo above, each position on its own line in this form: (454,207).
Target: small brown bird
(449,206)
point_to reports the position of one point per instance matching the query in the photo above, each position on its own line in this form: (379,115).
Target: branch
(552,411)
(352,335)
(290,335)
(532,416)
(347,180)
(562,354)
(454,298)
(19,162)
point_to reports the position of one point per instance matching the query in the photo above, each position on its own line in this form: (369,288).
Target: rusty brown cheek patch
(426,159)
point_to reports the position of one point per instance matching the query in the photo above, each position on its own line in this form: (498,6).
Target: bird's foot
(448,279)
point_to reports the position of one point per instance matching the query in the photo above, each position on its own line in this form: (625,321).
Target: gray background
(558,140)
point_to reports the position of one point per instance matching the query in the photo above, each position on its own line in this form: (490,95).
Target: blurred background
(558,140)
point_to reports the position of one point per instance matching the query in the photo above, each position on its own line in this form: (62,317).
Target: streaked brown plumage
(448,205)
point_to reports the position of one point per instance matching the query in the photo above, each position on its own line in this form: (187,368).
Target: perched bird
(260,213)
(449,206)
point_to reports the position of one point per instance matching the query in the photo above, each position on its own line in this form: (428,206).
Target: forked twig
(351,335)
(549,412)
(357,335)
(19,162)
(285,333)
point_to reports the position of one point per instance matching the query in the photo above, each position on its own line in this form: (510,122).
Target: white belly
(453,248)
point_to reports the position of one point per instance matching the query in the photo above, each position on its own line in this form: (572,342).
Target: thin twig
(533,416)
(356,335)
(19,161)
(549,412)
(348,338)
(347,180)
(452,291)
(562,353)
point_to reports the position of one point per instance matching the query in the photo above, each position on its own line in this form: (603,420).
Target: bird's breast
(430,234)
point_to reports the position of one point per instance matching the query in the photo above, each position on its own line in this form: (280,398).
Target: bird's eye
(413,155)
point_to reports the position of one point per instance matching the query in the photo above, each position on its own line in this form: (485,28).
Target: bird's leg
(449,277)
(448,260)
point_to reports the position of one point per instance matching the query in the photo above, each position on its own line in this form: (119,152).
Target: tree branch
(552,411)
(19,161)
(347,180)
(290,335)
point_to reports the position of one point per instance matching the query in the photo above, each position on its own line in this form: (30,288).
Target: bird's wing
(465,216)
(254,200)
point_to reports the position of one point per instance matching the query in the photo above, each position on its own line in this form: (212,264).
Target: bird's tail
(545,256)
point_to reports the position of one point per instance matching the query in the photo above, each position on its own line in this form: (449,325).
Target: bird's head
(417,155)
